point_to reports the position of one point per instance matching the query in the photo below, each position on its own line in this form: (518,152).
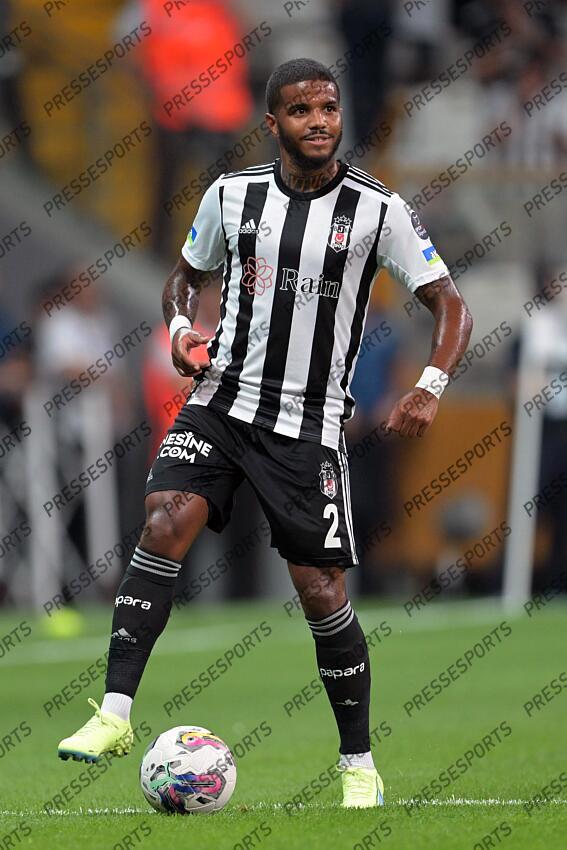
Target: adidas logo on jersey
(249,227)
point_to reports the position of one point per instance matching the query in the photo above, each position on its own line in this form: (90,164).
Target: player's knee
(160,525)
(163,525)
(331,595)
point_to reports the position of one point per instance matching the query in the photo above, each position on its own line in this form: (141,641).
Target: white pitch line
(463,801)
(134,810)
(127,810)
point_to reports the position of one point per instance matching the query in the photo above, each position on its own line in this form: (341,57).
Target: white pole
(40,472)
(101,499)
(524,477)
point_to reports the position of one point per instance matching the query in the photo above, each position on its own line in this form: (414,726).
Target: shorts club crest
(328,480)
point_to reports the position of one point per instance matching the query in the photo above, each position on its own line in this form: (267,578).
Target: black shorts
(302,486)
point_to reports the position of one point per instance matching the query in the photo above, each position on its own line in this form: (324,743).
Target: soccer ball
(188,770)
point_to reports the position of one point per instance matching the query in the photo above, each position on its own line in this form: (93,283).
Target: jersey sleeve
(204,247)
(405,249)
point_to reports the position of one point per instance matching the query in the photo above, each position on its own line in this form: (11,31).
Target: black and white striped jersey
(298,272)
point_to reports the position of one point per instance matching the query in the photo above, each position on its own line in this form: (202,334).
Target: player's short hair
(295,71)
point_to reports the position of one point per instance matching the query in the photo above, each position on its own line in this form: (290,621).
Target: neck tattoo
(309,182)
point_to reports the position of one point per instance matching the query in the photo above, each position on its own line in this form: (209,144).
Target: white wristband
(433,380)
(179,322)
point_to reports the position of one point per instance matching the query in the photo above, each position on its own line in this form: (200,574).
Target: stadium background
(458,106)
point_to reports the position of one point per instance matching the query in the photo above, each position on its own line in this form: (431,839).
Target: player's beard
(306,163)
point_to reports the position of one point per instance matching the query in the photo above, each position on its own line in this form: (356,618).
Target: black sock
(344,667)
(142,608)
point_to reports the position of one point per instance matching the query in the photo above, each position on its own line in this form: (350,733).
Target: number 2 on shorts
(331,540)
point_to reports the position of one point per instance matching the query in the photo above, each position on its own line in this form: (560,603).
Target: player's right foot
(103,733)
(362,788)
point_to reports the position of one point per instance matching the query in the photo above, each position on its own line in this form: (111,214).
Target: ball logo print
(328,480)
(339,235)
(181,772)
(257,275)
(193,740)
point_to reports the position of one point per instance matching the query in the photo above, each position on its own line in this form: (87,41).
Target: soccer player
(300,240)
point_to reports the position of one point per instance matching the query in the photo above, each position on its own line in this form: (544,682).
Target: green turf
(300,747)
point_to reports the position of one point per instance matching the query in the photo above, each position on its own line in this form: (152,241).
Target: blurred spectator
(15,365)
(366,27)
(69,341)
(531,28)
(11,67)
(533,147)
(199,127)
(544,334)
(538,128)
(373,464)
(15,377)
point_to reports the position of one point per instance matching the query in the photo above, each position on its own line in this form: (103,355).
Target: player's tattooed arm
(181,291)
(453,322)
(415,411)
(181,298)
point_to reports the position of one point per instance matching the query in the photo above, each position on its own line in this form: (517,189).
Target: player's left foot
(362,788)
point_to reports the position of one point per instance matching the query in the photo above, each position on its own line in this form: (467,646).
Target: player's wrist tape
(433,380)
(179,322)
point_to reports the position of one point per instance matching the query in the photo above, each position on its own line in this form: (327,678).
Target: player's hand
(183,342)
(413,413)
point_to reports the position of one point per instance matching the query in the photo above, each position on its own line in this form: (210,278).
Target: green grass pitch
(289,757)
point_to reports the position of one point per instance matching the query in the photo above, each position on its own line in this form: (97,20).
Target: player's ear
(272,124)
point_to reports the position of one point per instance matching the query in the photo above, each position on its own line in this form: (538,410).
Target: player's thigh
(190,472)
(304,490)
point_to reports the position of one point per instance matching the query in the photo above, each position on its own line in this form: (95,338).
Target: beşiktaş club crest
(328,480)
(339,235)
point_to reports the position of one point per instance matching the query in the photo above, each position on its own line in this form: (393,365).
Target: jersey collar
(309,196)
